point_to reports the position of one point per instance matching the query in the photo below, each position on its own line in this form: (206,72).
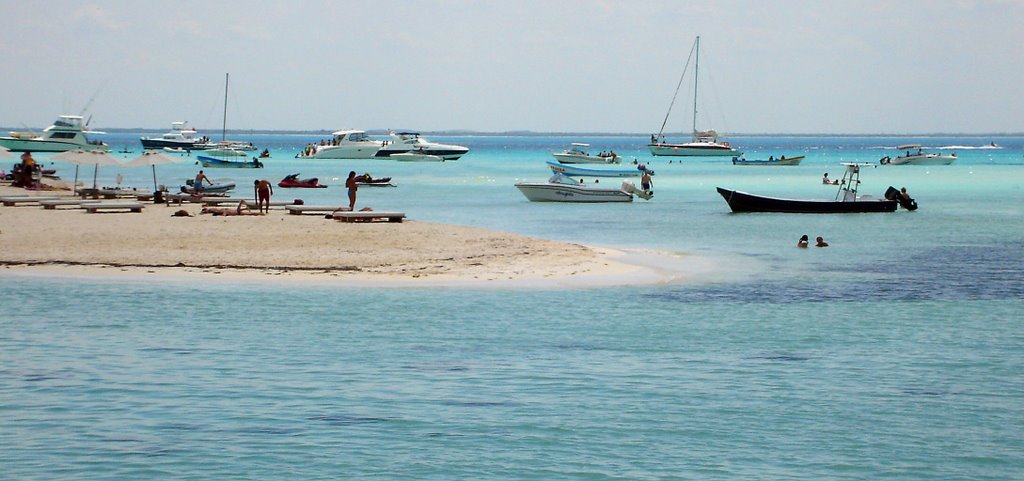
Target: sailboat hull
(693,149)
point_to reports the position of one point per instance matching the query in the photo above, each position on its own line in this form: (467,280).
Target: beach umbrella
(152,158)
(86,157)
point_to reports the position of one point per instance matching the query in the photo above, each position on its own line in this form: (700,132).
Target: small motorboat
(293,181)
(740,160)
(238,164)
(576,171)
(561,188)
(577,154)
(917,158)
(846,201)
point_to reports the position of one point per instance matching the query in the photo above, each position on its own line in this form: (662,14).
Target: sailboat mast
(224,126)
(696,72)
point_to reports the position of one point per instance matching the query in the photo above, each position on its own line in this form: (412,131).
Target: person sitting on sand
(820,242)
(241,209)
(802,242)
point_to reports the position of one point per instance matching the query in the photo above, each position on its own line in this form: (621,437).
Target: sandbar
(308,248)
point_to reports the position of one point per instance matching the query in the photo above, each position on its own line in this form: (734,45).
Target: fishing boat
(576,154)
(68,132)
(769,161)
(562,188)
(847,199)
(576,171)
(412,142)
(917,158)
(293,181)
(704,142)
(221,162)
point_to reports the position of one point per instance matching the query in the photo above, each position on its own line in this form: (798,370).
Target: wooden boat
(770,161)
(576,171)
(846,200)
(225,163)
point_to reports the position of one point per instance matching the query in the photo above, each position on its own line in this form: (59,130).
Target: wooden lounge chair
(53,204)
(14,200)
(313,209)
(274,203)
(217,201)
(94,207)
(369,216)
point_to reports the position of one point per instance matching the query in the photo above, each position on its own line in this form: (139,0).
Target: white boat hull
(693,149)
(923,159)
(416,157)
(33,145)
(367,151)
(555,192)
(567,158)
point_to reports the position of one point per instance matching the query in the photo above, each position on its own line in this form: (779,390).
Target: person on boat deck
(200,178)
(820,242)
(352,187)
(654,139)
(826,180)
(802,242)
(263,190)
(645,182)
(771,157)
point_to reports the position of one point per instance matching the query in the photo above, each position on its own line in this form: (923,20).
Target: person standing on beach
(352,187)
(262,190)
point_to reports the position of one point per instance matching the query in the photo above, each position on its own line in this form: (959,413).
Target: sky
(785,66)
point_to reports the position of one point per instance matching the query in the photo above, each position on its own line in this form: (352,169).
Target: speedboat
(66,133)
(411,141)
(577,155)
(181,137)
(344,144)
(226,163)
(293,181)
(847,199)
(917,158)
(562,188)
(572,170)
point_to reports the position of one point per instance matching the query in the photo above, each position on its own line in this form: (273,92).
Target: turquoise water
(895,353)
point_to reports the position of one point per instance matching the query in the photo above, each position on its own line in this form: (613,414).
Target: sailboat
(705,142)
(224,150)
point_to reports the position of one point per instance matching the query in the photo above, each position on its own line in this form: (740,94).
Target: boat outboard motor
(906,202)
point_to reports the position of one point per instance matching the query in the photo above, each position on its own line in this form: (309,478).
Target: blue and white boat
(238,164)
(576,171)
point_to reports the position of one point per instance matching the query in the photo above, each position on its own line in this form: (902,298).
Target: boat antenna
(696,71)
(89,103)
(678,85)
(224,126)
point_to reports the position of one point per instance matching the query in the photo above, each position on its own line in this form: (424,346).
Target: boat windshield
(560,178)
(68,122)
(358,137)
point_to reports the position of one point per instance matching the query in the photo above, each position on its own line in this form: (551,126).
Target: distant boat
(413,142)
(225,163)
(770,161)
(66,133)
(705,143)
(180,137)
(344,144)
(847,200)
(561,188)
(576,171)
(577,154)
(917,158)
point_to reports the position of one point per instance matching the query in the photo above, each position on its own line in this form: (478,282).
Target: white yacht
(411,141)
(917,158)
(181,137)
(66,133)
(344,144)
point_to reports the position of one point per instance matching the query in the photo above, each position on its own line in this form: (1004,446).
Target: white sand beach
(70,242)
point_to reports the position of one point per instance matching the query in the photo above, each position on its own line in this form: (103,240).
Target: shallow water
(895,353)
